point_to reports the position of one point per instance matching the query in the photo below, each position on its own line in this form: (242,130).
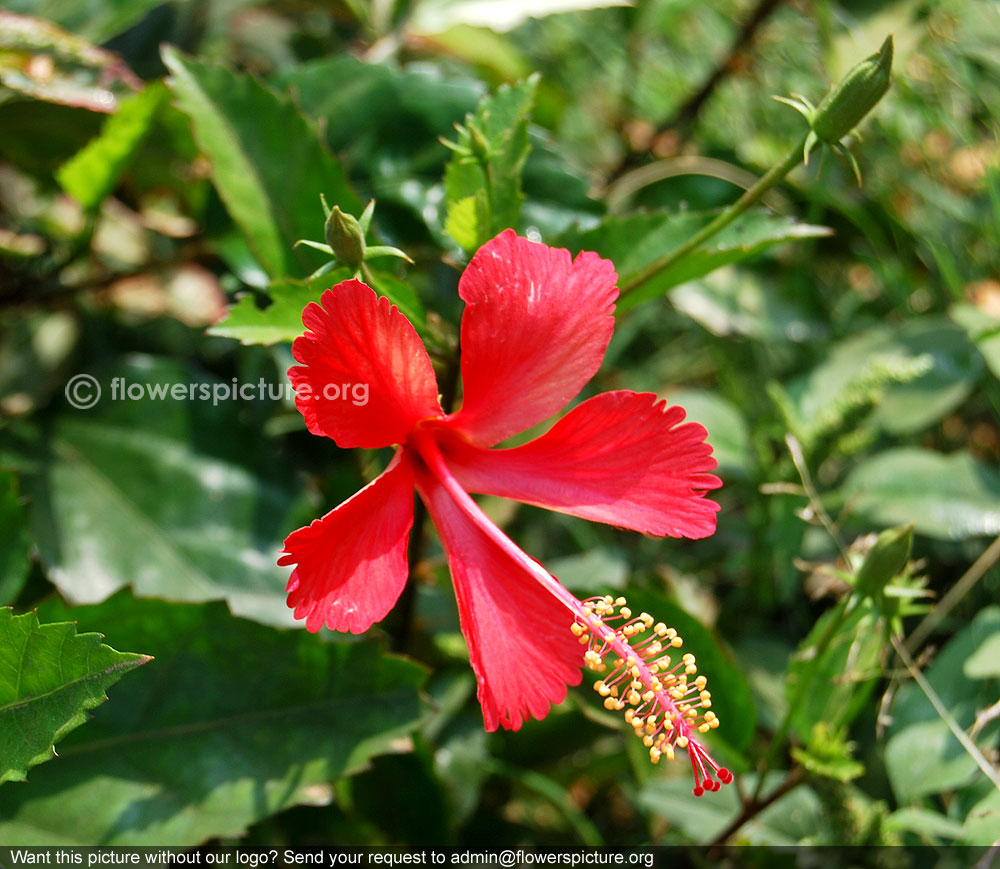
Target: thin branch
(754,806)
(961,588)
(973,750)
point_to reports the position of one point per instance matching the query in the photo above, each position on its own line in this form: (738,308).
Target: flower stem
(750,197)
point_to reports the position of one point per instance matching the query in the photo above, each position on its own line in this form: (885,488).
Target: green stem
(749,198)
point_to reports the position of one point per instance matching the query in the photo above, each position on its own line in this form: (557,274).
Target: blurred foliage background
(158,160)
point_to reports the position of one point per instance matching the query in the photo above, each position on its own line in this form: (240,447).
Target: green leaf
(15,542)
(634,242)
(984,663)
(49,677)
(951,497)
(947,367)
(172,496)
(983,330)
(267,161)
(840,680)
(884,561)
(922,755)
(282,319)
(924,823)
(234,722)
(982,824)
(93,172)
(483,178)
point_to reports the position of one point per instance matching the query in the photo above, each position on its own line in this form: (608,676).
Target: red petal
(365,377)
(352,563)
(620,457)
(534,332)
(520,645)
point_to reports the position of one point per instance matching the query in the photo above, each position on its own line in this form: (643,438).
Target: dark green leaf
(49,677)
(159,495)
(267,161)
(234,722)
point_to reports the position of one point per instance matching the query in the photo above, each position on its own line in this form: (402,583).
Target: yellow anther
(661,629)
(610,702)
(688,658)
(668,750)
(709,716)
(700,683)
(647,619)
(634,697)
(704,728)
(629,714)
(671,633)
(647,741)
(625,612)
(705,704)
(620,601)
(584,640)
(713,723)
(690,669)
(649,695)
(601,688)
(576,628)
(676,642)
(682,742)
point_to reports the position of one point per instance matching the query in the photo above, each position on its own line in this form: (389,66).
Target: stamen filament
(663,705)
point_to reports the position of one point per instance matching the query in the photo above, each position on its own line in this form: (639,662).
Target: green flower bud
(843,108)
(885,560)
(346,238)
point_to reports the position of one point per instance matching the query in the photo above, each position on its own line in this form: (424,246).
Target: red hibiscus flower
(534,331)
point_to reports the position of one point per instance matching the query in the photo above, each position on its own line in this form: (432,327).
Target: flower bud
(885,560)
(843,108)
(346,238)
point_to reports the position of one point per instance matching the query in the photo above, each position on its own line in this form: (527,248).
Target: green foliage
(633,243)
(95,171)
(483,178)
(50,677)
(267,161)
(265,718)
(841,345)
(182,515)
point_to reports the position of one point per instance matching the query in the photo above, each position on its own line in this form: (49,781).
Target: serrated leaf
(951,497)
(281,320)
(487,164)
(632,243)
(49,677)
(91,174)
(172,496)
(829,754)
(267,161)
(234,722)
